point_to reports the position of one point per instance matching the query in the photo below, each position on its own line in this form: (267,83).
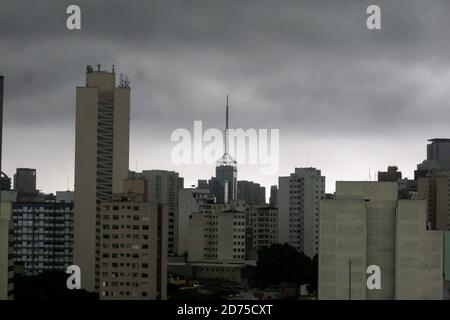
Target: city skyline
(329,85)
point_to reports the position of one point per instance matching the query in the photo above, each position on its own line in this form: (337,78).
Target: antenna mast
(226,128)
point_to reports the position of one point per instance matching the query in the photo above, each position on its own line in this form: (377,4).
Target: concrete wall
(419,254)
(343,236)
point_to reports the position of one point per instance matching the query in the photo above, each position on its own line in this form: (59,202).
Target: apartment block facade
(298,204)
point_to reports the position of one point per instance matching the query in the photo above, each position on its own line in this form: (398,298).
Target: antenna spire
(226,127)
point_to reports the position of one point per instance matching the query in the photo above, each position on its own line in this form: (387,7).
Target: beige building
(298,205)
(218,233)
(189,201)
(6,251)
(163,187)
(262,229)
(435,189)
(133,253)
(366,224)
(101,162)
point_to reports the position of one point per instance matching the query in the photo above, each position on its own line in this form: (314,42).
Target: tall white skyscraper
(101,162)
(299,198)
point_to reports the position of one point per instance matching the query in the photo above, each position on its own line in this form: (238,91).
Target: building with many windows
(133,252)
(101,161)
(262,229)
(218,233)
(299,198)
(43,234)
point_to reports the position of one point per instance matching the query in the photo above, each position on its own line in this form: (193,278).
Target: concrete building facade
(101,162)
(133,251)
(163,187)
(299,198)
(435,190)
(262,229)
(218,233)
(190,201)
(251,192)
(43,235)
(366,224)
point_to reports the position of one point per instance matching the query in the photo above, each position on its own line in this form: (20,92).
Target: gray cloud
(310,68)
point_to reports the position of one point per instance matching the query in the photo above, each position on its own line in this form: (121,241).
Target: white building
(163,187)
(368,225)
(190,201)
(262,229)
(298,203)
(218,233)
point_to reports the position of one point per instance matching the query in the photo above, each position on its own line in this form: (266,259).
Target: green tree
(283,263)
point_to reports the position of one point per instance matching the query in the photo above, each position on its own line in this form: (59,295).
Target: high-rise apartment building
(299,198)
(101,162)
(43,234)
(163,187)
(190,201)
(218,233)
(133,252)
(251,192)
(262,229)
(367,225)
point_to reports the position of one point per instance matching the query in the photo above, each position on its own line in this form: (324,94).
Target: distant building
(368,225)
(25,182)
(262,229)
(438,158)
(273,196)
(133,255)
(299,198)
(435,189)
(392,174)
(251,192)
(439,150)
(43,234)
(218,233)
(163,187)
(190,201)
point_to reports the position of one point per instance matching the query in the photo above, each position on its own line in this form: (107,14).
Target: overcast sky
(346,99)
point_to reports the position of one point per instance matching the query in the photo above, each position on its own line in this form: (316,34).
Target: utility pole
(349,278)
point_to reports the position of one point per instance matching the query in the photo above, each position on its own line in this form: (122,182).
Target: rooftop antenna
(226,159)
(113,69)
(67,183)
(226,128)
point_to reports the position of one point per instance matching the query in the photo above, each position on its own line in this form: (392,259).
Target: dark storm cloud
(306,67)
(285,63)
